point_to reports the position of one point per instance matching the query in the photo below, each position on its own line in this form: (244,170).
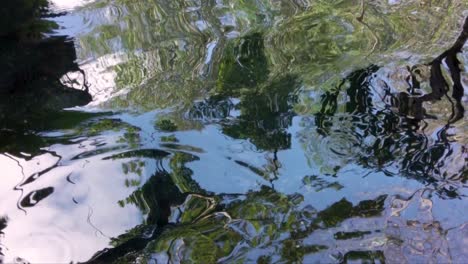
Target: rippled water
(241,132)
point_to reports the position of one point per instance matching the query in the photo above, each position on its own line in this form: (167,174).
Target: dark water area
(263,131)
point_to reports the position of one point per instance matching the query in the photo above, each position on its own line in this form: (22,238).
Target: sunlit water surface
(249,131)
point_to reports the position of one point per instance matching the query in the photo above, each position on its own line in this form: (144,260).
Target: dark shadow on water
(32,66)
(30,78)
(36,196)
(17,138)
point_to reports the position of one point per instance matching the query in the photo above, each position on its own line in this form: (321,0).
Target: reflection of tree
(22,19)
(179,51)
(268,207)
(185,226)
(266,114)
(156,198)
(32,65)
(438,82)
(265,105)
(182,220)
(379,138)
(168,53)
(335,37)
(31,74)
(393,141)
(244,65)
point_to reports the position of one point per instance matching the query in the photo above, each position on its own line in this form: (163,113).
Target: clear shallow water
(251,132)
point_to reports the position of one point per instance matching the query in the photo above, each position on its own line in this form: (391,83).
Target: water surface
(243,132)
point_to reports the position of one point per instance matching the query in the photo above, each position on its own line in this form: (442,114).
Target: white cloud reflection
(76,220)
(66,5)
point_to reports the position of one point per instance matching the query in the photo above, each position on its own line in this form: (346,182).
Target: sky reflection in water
(256,132)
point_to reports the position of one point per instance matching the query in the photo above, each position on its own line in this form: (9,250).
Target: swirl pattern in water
(230,131)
